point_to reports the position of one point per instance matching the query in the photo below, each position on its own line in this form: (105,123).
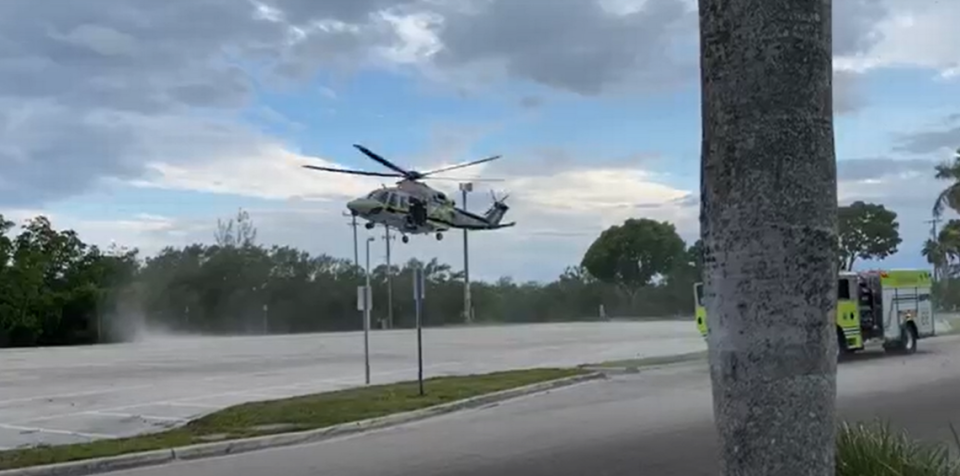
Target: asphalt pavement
(657,422)
(76,394)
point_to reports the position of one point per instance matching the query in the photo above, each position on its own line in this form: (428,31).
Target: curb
(223,448)
(635,369)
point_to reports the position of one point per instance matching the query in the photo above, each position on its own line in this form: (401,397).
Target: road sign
(361,306)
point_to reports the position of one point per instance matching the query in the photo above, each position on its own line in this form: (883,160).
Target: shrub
(877,450)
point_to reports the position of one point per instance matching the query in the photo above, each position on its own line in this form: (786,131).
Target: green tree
(631,255)
(867,231)
(950,196)
(768,221)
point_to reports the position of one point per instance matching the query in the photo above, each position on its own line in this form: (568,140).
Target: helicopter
(414,208)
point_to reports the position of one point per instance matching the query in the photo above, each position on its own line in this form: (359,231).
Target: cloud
(909,33)
(876,169)
(944,139)
(531,102)
(92,93)
(583,47)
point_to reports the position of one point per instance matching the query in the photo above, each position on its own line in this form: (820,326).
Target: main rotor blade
(464,179)
(386,163)
(351,172)
(459,166)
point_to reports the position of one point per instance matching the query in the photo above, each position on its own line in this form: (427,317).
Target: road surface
(658,422)
(74,394)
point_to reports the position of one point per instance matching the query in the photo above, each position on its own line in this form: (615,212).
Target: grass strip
(291,414)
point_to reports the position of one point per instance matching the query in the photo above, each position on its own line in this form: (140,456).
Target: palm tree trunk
(769,223)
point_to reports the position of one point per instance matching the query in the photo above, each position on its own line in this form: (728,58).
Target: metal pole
(366,319)
(387,237)
(467,305)
(418,301)
(353,224)
(356,253)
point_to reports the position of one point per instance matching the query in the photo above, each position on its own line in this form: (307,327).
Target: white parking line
(72,394)
(186,405)
(34,429)
(138,415)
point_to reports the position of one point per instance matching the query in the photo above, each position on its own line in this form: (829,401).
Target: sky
(141,122)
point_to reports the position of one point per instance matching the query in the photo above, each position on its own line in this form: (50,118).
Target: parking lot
(73,394)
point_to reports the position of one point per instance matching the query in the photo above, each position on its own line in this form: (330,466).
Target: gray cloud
(569,44)
(541,161)
(930,141)
(854,23)
(531,102)
(880,167)
(87,87)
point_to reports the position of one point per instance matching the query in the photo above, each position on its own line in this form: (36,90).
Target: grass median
(292,414)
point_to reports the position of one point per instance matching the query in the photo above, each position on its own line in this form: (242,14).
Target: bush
(877,450)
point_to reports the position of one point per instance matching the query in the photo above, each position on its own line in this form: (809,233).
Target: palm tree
(768,221)
(936,255)
(950,196)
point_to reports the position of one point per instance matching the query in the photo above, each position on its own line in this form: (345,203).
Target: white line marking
(71,394)
(138,415)
(57,432)
(186,405)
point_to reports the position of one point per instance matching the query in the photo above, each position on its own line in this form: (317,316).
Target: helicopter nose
(359,206)
(354,206)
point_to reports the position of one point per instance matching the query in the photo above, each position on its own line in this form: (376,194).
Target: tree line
(55,289)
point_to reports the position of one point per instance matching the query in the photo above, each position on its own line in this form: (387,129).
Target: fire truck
(892,308)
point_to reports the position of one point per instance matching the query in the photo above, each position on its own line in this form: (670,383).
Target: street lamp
(467,307)
(366,317)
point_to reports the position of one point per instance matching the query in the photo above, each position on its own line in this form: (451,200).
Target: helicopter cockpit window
(392,200)
(440,197)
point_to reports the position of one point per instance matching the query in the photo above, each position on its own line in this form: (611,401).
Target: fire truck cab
(892,308)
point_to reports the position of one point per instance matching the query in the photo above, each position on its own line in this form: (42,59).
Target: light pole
(366,317)
(467,306)
(353,223)
(388,238)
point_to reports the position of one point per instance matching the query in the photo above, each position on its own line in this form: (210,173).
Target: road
(75,394)
(657,422)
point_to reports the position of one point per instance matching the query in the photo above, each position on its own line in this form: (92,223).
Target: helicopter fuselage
(419,213)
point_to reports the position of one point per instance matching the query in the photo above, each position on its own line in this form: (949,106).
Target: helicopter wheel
(369,225)
(405,239)
(439,236)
